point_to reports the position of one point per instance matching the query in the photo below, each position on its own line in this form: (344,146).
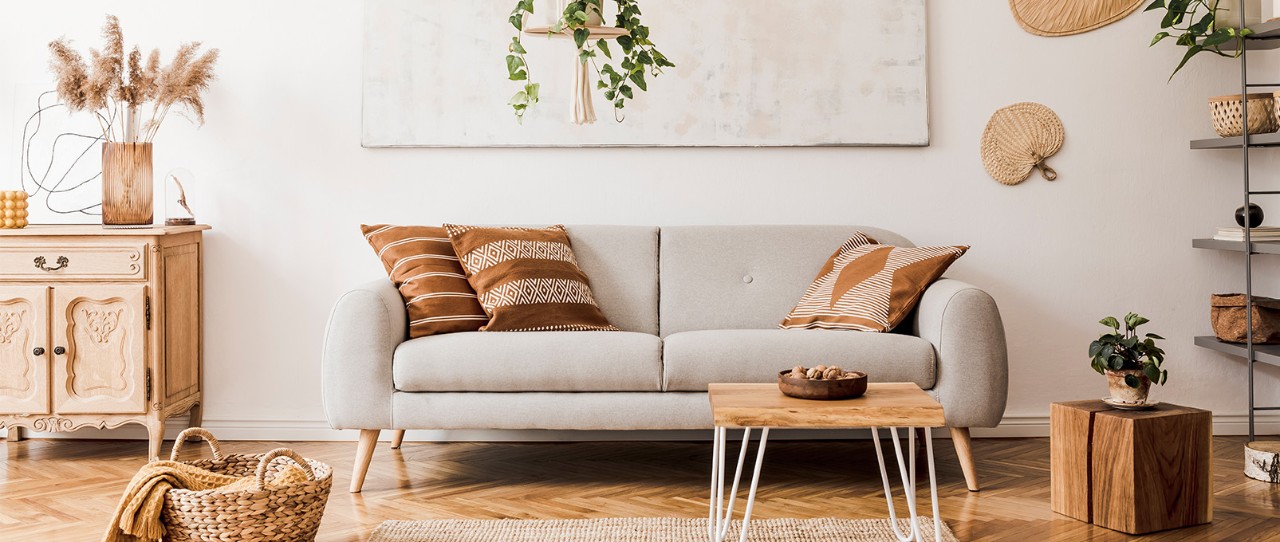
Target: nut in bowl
(822,383)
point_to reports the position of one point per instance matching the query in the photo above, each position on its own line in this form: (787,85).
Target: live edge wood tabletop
(100,328)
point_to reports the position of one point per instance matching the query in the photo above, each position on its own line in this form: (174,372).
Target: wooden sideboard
(100,328)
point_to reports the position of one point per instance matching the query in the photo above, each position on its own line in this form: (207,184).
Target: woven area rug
(642,530)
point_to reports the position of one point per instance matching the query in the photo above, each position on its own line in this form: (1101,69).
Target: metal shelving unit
(1265,36)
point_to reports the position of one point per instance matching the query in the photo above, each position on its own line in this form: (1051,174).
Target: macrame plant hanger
(582,110)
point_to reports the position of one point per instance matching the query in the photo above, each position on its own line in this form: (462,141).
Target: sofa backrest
(622,264)
(743,277)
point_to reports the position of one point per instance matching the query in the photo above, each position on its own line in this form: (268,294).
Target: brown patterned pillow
(869,287)
(421,263)
(527,279)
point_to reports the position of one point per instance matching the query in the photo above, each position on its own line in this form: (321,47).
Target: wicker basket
(1226,114)
(289,513)
(1228,316)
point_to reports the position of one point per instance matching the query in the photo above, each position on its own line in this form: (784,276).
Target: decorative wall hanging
(583,22)
(746,76)
(1020,138)
(115,88)
(1067,17)
(57,162)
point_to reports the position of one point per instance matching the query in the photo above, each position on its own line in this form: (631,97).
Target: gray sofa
(697,304)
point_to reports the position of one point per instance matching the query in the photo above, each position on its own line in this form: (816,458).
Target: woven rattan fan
(1067,17)
(1018,139)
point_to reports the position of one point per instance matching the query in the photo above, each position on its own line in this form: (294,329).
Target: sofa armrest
(964,326)
(365,327)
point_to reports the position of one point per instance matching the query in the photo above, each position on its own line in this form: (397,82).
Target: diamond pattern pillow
(421,263)
(527,279)
(868,286)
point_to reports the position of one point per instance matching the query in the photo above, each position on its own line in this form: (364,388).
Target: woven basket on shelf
(1227,118)
(288,513)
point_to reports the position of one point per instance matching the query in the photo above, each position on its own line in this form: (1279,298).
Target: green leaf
(1159,36)
(1171,18)
(518,76)
(637,77)
(1218,37)
(517,21)
(1201,27)
(514,64)
(609,94)
(662,61)
(601,84)
(626,43)
(604,48)
(1164,377)
(1132,381)
(1110,322)
(1094,348)
(643,58)
(580,36)
(526,5)
(1154,336)
(531,90)
(1152,372)
(516,47)
(1116,363)
(1191,51)
(1157,4)
(625,90)
(520,98)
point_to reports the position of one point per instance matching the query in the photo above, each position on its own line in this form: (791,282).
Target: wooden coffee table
(890,405)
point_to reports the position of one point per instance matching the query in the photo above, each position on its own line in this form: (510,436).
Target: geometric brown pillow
(421,262)
(527,279)
(869,287)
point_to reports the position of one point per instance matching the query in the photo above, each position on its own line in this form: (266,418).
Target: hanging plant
(638,54)
(1191,24)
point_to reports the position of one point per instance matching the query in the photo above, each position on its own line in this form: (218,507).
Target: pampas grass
(116,88)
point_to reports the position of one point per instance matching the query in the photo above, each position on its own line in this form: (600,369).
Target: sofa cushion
(743,277)
(693,359)
(866,286)
(530,361)
(527,279)
(421,262)
(622,262)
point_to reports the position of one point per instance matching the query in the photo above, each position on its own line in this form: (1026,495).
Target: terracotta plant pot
(127,184)
(1121,392)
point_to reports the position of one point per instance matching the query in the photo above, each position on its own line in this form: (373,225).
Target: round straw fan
(1018,139)
(1067,17)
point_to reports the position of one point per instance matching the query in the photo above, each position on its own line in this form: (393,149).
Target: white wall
(284,183)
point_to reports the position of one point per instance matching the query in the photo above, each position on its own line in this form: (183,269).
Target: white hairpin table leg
(721,516)
(909,483)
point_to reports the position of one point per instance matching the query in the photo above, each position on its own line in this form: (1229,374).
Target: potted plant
(1202,26)
(1131,363)
(116,87)
(578,19)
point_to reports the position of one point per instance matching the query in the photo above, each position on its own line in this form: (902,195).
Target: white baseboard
(319,430)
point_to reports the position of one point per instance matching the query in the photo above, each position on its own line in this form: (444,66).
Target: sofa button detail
(747,279)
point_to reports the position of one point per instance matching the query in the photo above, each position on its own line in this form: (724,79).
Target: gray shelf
(1259,247)
(1255,140)
(1262,353)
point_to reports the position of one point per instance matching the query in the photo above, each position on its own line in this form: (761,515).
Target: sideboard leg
(196,418)
(15,434)
(364,453)
(155,437)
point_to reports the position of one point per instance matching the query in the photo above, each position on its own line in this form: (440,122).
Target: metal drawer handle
(62,264)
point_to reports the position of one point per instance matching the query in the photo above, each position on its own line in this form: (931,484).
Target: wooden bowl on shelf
(823,390)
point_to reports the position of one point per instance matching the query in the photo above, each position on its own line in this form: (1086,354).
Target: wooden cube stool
(1131,471)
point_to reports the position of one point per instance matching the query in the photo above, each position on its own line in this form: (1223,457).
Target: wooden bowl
(824,390)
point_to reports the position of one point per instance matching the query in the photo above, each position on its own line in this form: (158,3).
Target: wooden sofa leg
(364,453)
(964,450)
(397,438)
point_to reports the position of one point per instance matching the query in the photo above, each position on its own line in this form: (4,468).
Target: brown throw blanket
(137,517)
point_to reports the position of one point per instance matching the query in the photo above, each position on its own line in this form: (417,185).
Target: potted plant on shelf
(1131,363)
(1203,26)
(116,88)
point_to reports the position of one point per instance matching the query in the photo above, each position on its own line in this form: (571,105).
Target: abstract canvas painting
(748,73)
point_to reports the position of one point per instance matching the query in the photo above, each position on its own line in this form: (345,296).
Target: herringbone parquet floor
(64,490)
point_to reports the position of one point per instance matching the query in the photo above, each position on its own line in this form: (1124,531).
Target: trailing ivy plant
(1191,24)
(1123,350)
(637,57)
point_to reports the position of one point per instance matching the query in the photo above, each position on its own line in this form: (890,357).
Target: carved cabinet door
(100,345)
(24,350)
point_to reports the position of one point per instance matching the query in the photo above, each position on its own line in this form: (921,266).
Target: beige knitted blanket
(137,517)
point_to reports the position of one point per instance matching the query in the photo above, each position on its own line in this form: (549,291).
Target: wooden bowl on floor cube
(1131,471)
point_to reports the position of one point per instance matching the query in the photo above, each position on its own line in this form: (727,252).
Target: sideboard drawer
(39,261)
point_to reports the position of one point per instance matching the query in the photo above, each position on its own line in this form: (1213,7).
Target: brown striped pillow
(421,262)
(867,286)
(527,279)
